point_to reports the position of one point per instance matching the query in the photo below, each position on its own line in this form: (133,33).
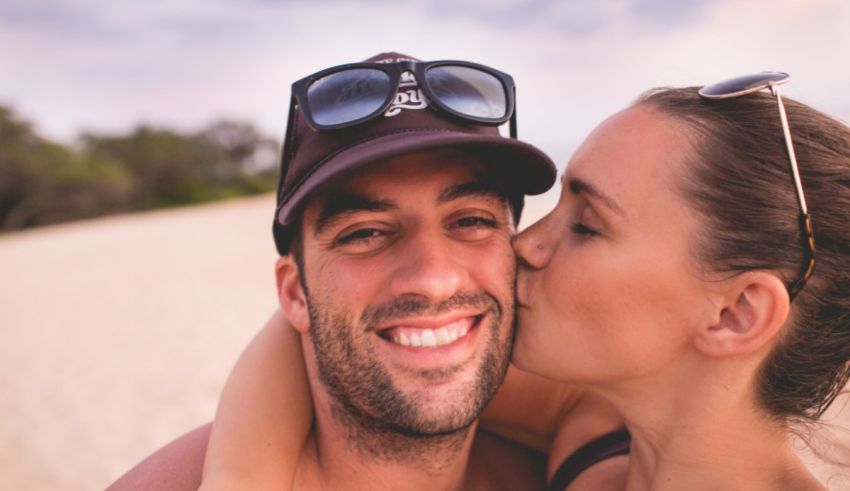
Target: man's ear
(290,294)
(753,310)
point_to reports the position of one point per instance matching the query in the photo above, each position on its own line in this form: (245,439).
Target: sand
(116,335)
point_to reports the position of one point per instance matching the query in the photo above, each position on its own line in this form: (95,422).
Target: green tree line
(44,182)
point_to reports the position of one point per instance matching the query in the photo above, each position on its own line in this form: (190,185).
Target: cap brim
(530,170)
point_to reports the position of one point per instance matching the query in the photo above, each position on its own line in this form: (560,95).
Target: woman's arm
(264,414)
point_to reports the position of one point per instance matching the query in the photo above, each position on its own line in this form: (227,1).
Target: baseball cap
(312,159)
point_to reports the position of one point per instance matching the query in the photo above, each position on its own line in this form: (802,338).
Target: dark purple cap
(408,126)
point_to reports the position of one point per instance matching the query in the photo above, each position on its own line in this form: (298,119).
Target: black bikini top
(606,446)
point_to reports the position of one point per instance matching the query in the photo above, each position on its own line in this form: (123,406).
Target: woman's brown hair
(741,183)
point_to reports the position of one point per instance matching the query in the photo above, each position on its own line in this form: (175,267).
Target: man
(397,203)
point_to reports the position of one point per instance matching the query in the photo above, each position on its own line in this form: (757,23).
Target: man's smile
(412,344)
(430,334)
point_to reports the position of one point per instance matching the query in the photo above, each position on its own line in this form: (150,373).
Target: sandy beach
(116,336)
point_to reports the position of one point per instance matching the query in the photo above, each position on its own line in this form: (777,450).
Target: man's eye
(476,221)
(361,236)
(473,228)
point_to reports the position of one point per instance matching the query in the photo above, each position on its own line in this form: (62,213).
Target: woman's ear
(290,294)
(754,309)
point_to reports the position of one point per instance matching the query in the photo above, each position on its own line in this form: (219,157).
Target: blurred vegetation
(44,182)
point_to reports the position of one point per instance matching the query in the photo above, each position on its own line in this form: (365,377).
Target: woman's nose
(531,245)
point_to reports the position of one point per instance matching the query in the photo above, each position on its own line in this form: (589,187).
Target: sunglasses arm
(792,156)
(805,218)
(287,145)
(513,128)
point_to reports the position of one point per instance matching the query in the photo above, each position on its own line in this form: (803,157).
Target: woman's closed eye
(583,230)
(586,223)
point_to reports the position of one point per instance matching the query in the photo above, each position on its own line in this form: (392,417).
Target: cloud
(106,65)
(664,13)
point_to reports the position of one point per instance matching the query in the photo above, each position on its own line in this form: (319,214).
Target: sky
(105,66)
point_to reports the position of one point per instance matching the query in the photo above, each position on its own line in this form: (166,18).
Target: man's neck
(348,452)
(377,441)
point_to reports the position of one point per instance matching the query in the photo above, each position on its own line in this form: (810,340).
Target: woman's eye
(583,230)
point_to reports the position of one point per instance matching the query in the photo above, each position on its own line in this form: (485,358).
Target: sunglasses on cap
(747,84)
(352,94)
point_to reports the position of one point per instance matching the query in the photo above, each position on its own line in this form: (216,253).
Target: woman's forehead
(636,143)
(634,159)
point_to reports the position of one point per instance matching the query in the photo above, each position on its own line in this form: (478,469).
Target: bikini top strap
(606,446)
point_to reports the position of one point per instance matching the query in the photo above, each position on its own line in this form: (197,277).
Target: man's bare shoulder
(497,463)
(177,466)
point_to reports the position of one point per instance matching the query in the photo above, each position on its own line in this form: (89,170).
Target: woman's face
(610,288)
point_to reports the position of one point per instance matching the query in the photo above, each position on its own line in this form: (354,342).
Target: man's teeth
(430,338)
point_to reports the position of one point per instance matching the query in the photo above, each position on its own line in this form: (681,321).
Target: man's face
(409,277)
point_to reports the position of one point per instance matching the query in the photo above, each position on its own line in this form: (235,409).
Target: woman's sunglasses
(748,84)
(352,94)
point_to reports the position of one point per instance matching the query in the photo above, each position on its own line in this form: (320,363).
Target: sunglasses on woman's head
(352,94)
(748,84)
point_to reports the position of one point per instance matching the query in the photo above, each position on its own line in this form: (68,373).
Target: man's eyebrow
(343,203)
(484,187)
(578,186)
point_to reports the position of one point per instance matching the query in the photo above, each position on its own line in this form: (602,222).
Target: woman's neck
(694,428)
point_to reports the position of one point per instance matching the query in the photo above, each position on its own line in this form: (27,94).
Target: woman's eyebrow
(578,186)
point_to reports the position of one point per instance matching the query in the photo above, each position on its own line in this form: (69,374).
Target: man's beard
(367,403)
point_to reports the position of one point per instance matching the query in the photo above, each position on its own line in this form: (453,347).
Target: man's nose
(533,246)
(429,268)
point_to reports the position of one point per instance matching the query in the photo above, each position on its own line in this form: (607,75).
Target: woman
(671,280)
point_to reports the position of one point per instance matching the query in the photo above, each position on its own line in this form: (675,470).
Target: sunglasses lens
(743,85)
(348,95)
(469,91)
